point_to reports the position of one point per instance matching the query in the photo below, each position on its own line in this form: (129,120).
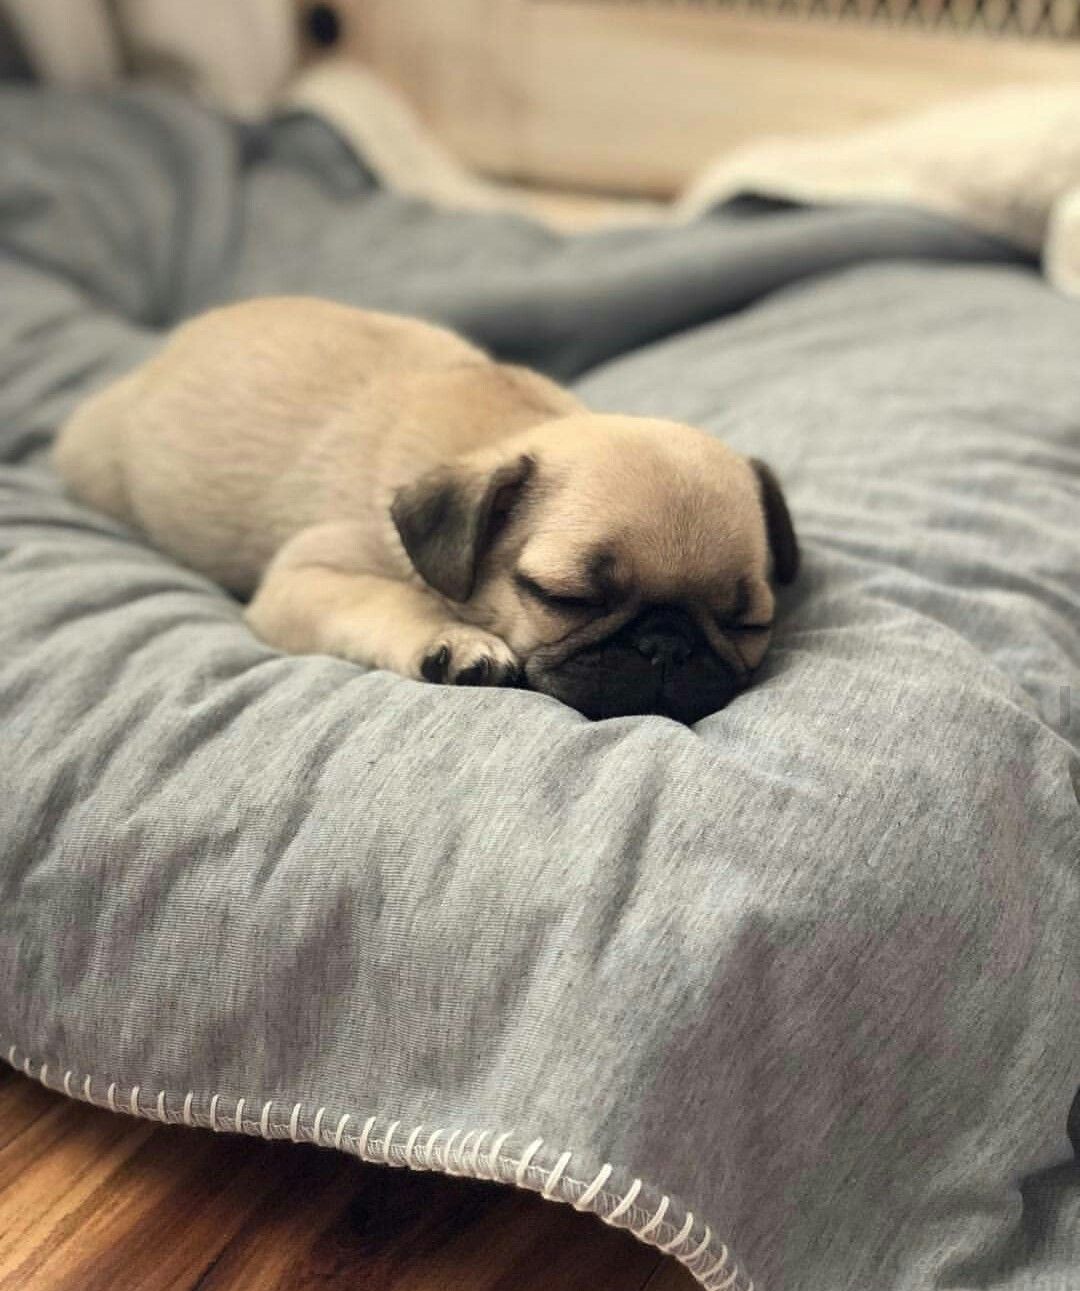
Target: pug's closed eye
(744,627)
(734,618)
(727,621)
(553,599)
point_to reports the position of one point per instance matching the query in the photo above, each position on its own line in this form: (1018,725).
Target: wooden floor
(94,1201)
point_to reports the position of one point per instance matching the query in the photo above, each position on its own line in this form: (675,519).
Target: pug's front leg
(305,605)
(463,655)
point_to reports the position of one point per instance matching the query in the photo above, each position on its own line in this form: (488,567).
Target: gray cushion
(792,993)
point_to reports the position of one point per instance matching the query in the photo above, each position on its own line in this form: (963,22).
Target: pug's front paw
(467,656)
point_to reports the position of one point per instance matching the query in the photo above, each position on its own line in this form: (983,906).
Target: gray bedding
(794,993)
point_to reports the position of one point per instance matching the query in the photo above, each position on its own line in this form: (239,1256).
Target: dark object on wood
(323,23)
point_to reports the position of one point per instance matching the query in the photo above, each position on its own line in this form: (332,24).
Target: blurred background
(634,96)
(582,103)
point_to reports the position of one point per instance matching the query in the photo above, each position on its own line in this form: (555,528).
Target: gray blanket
(792,994)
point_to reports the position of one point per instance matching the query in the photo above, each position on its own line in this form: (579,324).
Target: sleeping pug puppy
(381,490)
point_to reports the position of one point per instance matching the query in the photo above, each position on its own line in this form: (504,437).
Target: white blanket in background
(1006,163)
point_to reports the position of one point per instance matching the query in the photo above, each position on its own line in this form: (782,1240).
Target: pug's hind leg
(305,605)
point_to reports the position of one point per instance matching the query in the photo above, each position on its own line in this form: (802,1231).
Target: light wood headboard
(635,95)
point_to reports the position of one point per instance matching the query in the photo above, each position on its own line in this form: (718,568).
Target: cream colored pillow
(237,55)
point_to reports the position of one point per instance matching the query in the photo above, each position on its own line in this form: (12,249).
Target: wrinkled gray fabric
(809,970)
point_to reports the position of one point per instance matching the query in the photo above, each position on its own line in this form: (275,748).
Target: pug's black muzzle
(659,662)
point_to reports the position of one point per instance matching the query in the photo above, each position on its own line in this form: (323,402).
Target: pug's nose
(666,638)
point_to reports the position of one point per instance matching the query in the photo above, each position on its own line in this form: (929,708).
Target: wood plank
(93,1201)
(47,1175)
(636,98)
(21,1103)
(165,1216)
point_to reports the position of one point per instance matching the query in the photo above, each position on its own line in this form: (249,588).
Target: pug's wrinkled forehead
(668,519)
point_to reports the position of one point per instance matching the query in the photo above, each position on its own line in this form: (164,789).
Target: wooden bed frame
(633,96)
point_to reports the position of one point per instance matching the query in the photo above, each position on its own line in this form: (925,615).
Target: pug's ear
(447,518)
(778,526)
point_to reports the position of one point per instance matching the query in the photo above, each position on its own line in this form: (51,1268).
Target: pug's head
(628,562)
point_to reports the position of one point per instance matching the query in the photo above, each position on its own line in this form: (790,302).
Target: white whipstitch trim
(462,1168)
(702,1247)
(526,1161)
(720,1265)
(680,1237)
(474,1167)
(472,1158)
(449,1149)
(410,1148)
(493,1155)
(391,1130)
(720,1268)
(654,1223)
(624,1205)
(428,1151)
(557,1172)
(592,1191)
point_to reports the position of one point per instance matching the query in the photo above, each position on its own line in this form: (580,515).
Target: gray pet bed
(793,994)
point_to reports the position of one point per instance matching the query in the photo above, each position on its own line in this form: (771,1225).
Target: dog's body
(391,495)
